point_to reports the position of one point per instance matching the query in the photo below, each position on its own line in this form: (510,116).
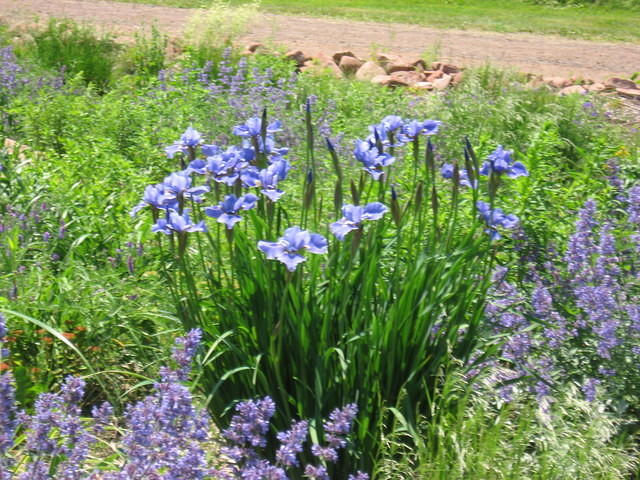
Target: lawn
(594,22)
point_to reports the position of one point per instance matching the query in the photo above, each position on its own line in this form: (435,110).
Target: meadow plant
(578,318)
(63,44)
(164,436)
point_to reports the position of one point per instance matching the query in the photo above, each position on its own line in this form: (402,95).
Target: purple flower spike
(589,389)
(354,215)
(178,223)
(287,249)
(501,161)
(190,138)
(227,211)
(291,443)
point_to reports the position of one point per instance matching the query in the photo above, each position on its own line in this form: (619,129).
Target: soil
(546,55)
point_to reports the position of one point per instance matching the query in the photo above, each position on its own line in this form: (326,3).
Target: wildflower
(178,186)
(287,249)
(226,211)
(178,223)
(253,128)
(224,167)
(495,218)
(371,158)
(291,443)
(8,422)
(316,472)
(589,389)
(165,431)
(354,215)
(154,196)
(191,138)
(501,161)
(267,178)
(250,425)
(413,128)
(447,172)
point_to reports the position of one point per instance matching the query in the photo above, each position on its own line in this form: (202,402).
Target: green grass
(598,22)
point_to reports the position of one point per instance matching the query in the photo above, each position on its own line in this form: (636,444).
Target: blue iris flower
(224,167)
(190,138)
(354,215)
(178,184)
(496,218)
(227,211)
(253,128)
(447,172)
(268,146)
(501,161)
(176,222)
(372,159)
(154,195)
(295,240)
(413,128)
(267,178)
(391,124)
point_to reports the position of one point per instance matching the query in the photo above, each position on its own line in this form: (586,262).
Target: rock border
(390,70)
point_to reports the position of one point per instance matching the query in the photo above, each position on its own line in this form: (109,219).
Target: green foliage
(357,325)
(472,435)
(210,32)
(77,49)
(147,56)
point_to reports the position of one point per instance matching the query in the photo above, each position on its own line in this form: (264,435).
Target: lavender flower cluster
(580,322)
(165,437)
(14,78)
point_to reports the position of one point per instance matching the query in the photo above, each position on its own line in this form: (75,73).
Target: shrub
(76,49)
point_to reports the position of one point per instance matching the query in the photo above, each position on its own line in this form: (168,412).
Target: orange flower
(47,339)
(4,366)
(69,335)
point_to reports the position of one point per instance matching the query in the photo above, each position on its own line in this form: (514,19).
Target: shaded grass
(589,22)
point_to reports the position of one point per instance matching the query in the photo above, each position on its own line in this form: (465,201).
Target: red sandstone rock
(337,57)
(297,56)
(573,89)
(445,67)
(615,82)
(407,78)
(443,82)
(629,92)
(350,65)
(557,82)
(369,70)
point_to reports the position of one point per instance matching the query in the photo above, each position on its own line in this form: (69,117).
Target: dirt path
(529,53)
